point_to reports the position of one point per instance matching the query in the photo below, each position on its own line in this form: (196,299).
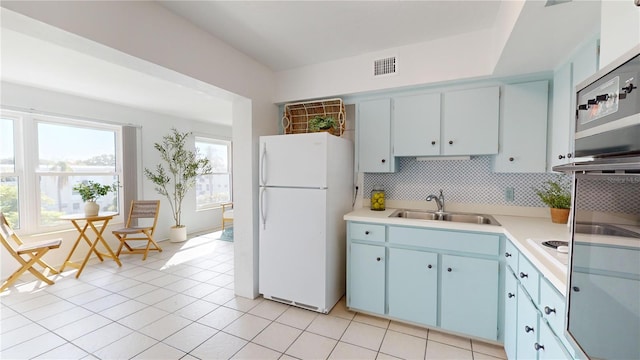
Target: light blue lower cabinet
(549,347)
(527,328)
(469,296)
(510,313)
(366,277)
(413,286)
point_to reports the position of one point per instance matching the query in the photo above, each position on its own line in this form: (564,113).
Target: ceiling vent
(384,66)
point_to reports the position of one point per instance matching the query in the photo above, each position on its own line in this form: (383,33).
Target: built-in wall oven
(603,290)
(603,312)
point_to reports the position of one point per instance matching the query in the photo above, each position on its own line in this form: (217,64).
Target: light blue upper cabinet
(470,121)
(562,117)
(374,141)
(416,125)
(582,64)
(585,62)
(413,284)
(523,130)
(469,301)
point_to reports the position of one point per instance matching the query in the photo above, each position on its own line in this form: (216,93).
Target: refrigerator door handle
(262,214)
(262,160)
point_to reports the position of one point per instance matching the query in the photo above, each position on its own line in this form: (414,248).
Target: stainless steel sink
(604,229)
(448,216)
(415,214)
(470,218)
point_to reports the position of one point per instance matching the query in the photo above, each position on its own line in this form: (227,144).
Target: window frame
(27,166)
(229,173)
(18,170)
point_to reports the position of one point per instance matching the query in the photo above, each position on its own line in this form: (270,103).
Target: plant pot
(91,208)
(178,234)
(559,216)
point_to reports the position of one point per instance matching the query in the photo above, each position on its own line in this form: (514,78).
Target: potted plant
(179,176)
(90,191)
(322,123)
(557,196)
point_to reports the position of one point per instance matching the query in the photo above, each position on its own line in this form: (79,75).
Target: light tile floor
(180,304)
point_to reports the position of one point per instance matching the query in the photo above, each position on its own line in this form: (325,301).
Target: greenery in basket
(555,194)
(183,167)
(322,123)
(92,191)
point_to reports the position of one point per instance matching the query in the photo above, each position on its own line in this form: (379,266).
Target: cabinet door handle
(569,155)
(528,329)
(450,142)
(378,258)
(366,232)
(384,161)
(538,347)
(511,295)
(548,310)
(449,269)
(560,157)
(429,266)
(507,254)
(576,289)
(433,143)
(511,159)
(523,275)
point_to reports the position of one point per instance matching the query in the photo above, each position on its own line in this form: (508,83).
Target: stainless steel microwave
(608,109)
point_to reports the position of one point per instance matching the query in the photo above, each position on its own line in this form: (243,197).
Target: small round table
(91,222)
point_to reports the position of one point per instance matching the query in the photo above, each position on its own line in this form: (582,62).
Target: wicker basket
(295,119)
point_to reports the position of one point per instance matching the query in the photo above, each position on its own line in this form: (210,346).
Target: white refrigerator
(306,187)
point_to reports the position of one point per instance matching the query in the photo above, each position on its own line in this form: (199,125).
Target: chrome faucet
(439,201)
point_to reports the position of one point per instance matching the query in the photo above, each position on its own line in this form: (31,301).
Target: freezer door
(294,160)
(293,245)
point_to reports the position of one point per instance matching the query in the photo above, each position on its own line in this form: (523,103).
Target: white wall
(619,29)
(457,57)
(153,127)
(146,30)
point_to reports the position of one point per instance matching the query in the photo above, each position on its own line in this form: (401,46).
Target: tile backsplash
(462,181)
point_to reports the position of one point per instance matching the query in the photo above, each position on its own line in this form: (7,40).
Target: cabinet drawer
(529,278)
(511,256)
(368,232)
(552,307)
(486,244)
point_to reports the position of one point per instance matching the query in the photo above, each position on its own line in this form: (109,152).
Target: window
(9,179)
(56,154)
(214,189)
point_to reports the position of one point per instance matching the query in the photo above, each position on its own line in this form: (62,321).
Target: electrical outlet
(508,194)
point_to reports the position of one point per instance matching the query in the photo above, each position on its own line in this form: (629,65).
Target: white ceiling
(42,64)
(289,34)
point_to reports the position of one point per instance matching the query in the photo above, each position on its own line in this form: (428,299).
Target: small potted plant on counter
(323,123)
(556,194)
(91,191)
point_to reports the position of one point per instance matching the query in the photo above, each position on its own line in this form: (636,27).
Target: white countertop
(517,228)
